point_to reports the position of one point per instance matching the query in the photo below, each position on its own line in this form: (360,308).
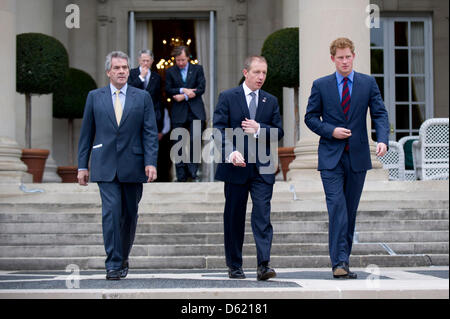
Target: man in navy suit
(119,133)
(185,84)
(337,112)
(143,78)
(253,114)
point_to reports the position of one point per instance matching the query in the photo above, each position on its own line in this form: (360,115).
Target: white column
(241,36)
(12,169)
(37,16)
(290,20)
(320,22)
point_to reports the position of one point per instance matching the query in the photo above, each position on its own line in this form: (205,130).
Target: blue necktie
(183,74)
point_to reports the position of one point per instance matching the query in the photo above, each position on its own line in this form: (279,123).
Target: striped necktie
(345,103)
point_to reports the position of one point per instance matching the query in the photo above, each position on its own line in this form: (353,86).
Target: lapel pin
(264,99)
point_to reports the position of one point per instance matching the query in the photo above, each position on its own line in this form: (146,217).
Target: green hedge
(69,100)
(281,50)
(41,65)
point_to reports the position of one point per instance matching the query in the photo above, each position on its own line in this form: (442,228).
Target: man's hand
(341,133)
(381,149)
(189,92)
(144,71)
(250,126)
(178,97)
(83,177)
(237,159)
(150,171)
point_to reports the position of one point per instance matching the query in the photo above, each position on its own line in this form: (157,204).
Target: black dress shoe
(113,274)
(236,273)
(264,272)
(342,271)
(124,269)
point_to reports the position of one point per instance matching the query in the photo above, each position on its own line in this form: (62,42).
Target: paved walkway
(374,283)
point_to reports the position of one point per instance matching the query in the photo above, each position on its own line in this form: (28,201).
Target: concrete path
(291,283)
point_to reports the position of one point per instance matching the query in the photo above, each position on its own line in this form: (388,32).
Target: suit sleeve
(221,121)
(150,132)
(313,116)
(87,133)
(378,113)
(135,81)
(171,87)
(200,81)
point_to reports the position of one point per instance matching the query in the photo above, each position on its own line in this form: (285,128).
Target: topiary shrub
(281,50)
(70,98)
(41,65)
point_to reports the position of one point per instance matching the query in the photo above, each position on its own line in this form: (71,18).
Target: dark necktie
(252,106)
(345,102)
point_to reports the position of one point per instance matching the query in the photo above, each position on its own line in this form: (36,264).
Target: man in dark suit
(185,84)
(337,112)
(119,133)
(253,113)
(143,78)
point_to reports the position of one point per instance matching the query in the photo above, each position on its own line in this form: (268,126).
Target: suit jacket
(230,111)
(124,150)
(195,79)
(154,88)
(324,113)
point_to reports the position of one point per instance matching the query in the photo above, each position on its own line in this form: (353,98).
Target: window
(401,62)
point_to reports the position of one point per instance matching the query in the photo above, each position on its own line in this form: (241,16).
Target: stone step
(93,215)
(217,238)
(174,206)
(214,227)
(212,262)
(295,249)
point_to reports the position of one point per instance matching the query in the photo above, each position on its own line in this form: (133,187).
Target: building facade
(406,45)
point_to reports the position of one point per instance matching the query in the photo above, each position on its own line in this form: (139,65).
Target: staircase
(401,224)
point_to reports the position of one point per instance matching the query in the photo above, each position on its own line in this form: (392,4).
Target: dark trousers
(119,219)
(343,189)
(236,196)
(186,169)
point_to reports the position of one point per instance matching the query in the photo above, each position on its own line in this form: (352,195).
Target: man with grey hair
(143,78)
(119,133)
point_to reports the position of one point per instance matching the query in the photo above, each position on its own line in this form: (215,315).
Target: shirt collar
(123,90)
(247,90)
(185,68)
(340,77)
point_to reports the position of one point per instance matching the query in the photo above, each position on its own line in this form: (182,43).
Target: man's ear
(332,58)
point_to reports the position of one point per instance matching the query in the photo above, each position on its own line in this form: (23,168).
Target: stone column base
(12,169)
(50,172)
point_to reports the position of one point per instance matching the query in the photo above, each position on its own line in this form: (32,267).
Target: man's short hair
(341,43)
(115,54)
(248,60)
(146,51)
(179,49)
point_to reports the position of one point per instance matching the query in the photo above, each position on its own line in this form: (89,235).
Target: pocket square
(97,146)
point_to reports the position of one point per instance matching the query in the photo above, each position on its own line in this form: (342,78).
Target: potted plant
(281,50)
(68,102)
(41,65)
